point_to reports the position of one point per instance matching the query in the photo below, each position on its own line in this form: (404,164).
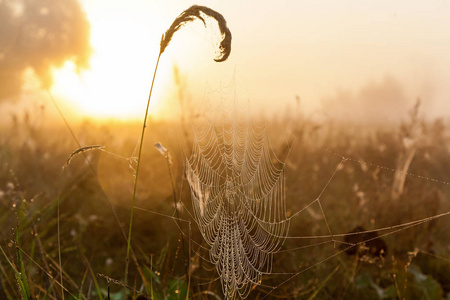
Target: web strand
(238,198)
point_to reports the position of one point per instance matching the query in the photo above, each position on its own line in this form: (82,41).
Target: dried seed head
(191,14)
(81,150)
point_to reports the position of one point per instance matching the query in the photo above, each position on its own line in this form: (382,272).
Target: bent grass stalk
(144,125)
(192,13)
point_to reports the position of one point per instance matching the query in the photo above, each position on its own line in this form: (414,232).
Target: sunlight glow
(121,67)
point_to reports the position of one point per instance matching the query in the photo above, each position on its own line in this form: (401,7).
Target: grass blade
(144,125)
(23,274)
(323,284)
(17,274)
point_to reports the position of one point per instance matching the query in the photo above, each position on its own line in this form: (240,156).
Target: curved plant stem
(144,125)
(59,252)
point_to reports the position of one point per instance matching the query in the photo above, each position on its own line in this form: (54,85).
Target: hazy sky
(318,49)
(338,56)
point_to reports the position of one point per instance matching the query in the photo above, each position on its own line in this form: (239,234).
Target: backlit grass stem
(144,125)
(192,13)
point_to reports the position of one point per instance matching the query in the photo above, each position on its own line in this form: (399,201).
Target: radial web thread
(238,198)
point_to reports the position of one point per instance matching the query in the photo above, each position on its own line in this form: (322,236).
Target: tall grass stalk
(136,175)
(190,14)
(59,251)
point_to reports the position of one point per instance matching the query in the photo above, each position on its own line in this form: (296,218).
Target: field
(388,184)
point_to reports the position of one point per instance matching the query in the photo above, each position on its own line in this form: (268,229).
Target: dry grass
(416,263)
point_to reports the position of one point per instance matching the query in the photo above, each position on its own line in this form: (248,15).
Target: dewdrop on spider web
(239,203)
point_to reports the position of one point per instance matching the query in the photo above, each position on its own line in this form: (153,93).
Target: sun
(125,50)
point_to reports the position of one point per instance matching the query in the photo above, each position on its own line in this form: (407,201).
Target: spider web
(238,198)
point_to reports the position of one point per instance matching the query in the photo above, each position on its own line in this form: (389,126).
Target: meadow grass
(416,263)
